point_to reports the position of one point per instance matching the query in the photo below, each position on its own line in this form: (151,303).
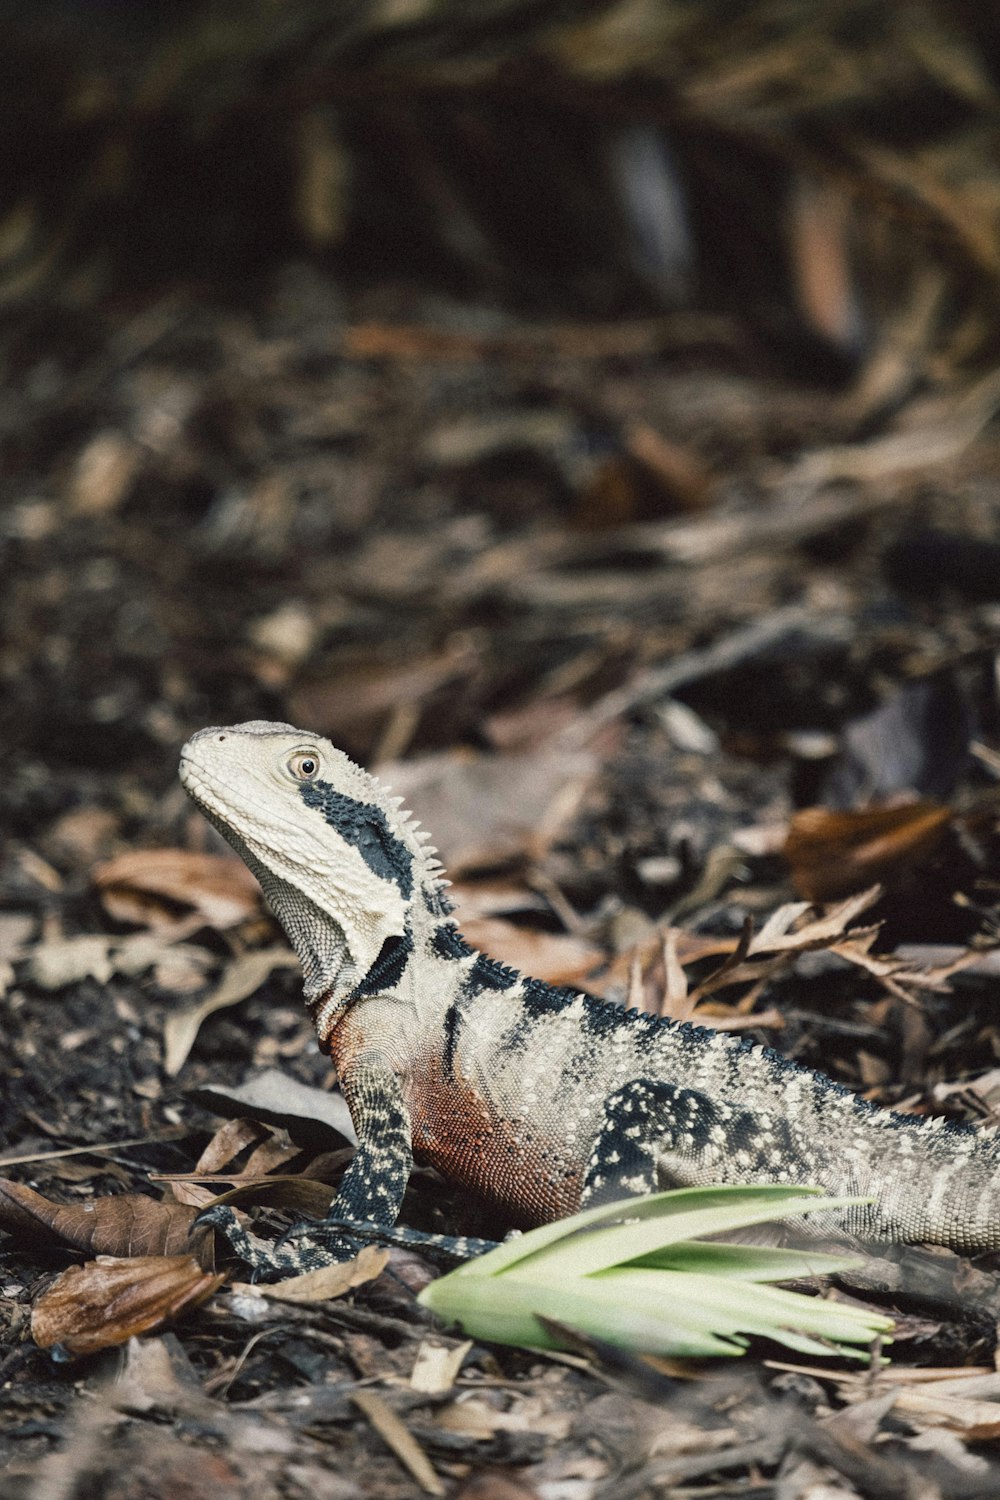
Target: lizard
(537,1100)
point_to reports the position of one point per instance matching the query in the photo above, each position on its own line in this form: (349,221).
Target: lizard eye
(303,765)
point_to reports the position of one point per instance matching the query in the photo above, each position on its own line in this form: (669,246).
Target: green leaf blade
(651,1285)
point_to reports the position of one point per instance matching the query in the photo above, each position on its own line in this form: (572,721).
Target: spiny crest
(401,820)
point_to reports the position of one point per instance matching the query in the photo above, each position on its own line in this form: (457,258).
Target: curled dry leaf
(229,1141)
(242,977)
(129,1224)
(300,1194)
(314,1118)
(832,853)
(328,1281)
(151,886)
(651,977)
(785,931)
(108,1300)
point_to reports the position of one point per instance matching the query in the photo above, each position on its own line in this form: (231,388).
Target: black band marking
(388,969)
(452,1026)
(490,974)
(366,828)
(448,942)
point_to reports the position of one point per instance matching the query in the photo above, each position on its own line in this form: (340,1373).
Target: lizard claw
(319,1244)
(267,1260)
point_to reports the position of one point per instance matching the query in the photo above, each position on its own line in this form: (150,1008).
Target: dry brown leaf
(229,1141)
(486,811)
(656,981)
(678,471)
(103,474)
(242,978)
(150,886)
(271,1155)
(777,935)
(107,1301)
(492,898)
(832,853)
(328,1281)
(677,1002)
(820,252)
(301,1194)
(556,957)
(405,1446)
(351,703)
(128,1224)
(58,962)
(527,727)
(978,1421)
(85,834)
(647,954)
(530,1414)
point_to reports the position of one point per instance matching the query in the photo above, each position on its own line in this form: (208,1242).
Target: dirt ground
(655,634)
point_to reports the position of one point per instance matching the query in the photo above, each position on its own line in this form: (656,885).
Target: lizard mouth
(209,791)
(195,780)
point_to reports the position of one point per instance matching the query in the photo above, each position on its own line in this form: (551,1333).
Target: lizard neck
(332,978)
(338,944)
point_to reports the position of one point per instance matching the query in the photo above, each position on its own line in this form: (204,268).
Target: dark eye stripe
(366,829)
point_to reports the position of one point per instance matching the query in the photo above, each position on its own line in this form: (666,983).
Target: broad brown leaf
(242,977)
(148,886)
(108,1300)
(128,1224)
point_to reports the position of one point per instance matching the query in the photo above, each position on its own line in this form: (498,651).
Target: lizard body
(538,1100)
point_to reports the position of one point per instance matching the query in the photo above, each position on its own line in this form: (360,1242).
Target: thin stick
(173,1134)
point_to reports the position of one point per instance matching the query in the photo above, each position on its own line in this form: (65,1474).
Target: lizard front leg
(373,1185)
(372,1189)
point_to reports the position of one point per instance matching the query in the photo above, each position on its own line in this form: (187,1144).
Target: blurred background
(585,410)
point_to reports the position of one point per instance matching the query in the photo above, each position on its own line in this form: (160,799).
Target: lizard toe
(266,1259)
(319,1244)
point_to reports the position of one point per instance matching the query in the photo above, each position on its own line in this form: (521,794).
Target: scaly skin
(538,1100)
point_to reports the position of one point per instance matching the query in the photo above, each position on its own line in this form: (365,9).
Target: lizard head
(339,863)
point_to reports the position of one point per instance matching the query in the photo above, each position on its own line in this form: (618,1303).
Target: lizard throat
(326,1011)
(329,970)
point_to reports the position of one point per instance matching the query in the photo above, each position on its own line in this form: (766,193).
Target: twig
(173,1133)
(728,651)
